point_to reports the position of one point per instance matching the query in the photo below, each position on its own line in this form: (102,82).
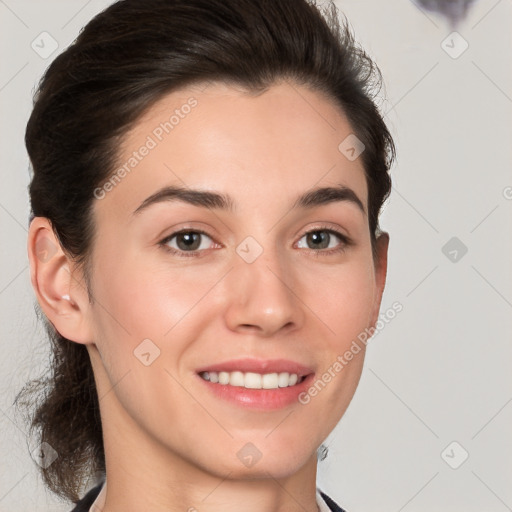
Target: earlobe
(61,296)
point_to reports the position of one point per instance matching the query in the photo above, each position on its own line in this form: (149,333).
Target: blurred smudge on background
(454,11)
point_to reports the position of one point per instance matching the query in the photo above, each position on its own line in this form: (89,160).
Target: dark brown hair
(124,60)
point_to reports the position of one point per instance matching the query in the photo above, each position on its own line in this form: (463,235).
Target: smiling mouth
(251,380)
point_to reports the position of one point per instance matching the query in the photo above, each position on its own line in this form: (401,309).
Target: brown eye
(188,241)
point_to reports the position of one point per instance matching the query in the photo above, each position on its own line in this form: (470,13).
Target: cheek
(343,306)
(145,299)
(342,297)
(142,309)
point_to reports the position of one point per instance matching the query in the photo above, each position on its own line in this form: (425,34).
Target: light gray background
(441,370)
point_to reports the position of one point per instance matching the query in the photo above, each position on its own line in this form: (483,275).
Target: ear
(58,286)
(381,267)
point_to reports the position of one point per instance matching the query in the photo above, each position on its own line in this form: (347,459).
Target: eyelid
(327,226)
(186,226)
(185,230)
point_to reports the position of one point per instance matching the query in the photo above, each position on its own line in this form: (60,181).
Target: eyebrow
(326,195)
(215,200)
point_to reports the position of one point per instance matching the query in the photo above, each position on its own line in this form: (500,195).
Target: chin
(251,463)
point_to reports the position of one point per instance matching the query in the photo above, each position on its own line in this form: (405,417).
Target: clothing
(325,503)
(86,502)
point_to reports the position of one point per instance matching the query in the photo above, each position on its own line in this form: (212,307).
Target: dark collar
(331,503)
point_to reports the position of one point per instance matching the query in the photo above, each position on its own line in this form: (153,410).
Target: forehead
(261,149)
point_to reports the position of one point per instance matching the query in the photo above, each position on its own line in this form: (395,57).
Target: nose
(261,298)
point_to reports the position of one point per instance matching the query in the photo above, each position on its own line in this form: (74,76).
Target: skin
(171,445)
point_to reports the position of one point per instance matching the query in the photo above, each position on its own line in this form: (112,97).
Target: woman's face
(259,281)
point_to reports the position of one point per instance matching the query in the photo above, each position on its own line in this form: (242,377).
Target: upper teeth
(252,380)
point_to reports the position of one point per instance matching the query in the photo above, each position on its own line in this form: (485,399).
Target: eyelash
(345,242)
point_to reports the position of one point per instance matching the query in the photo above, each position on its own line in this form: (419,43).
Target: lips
(229,388)
(259,366)
(251,383)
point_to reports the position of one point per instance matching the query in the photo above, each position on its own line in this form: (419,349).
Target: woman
(205,248)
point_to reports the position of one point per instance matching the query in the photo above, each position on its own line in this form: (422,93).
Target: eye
(321,239)
(187,241)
